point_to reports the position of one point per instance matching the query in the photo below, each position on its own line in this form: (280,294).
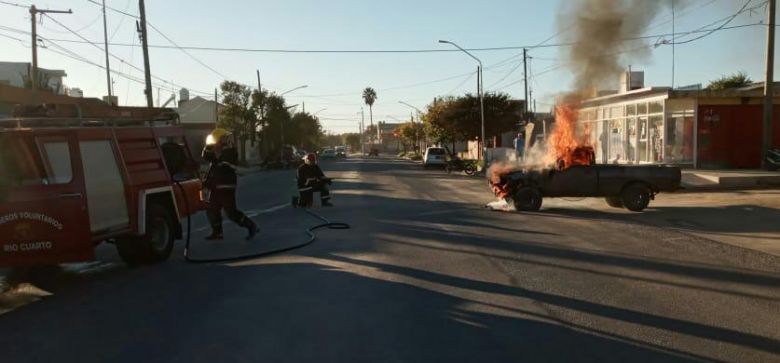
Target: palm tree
(369,97)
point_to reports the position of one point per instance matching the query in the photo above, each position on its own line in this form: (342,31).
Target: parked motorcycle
(458,164)
(773,159)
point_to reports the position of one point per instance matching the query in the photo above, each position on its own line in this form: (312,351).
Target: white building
(17,74)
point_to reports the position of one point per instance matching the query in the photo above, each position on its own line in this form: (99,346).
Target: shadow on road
(266,313)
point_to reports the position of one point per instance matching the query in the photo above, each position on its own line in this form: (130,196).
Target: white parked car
(435,156)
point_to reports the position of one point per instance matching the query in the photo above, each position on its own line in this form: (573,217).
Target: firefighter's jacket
(307,172)
(222,172)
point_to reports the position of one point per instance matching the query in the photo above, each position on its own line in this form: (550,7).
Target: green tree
(735,80)
(304,130)
(275,119)
(352,139)
(236,115)
(449,120)
(409,133)
(369,97)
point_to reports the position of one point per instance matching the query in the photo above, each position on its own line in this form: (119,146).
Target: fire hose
(310,232)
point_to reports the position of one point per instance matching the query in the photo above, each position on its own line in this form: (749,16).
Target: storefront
(661,126)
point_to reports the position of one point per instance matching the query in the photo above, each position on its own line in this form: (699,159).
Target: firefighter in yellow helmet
(221,182)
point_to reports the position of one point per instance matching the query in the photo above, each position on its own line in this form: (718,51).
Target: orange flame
(565,149)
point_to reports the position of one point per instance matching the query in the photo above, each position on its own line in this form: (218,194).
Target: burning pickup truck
(624,186)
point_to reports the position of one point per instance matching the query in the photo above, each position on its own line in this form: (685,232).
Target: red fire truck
(68,183)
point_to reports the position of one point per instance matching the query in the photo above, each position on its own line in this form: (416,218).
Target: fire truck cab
(69,183)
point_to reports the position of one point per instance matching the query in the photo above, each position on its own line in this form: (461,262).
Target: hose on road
(310,232)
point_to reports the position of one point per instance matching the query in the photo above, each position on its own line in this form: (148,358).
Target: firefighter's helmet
(218,136)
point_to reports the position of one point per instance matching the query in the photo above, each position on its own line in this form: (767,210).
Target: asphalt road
(425,274)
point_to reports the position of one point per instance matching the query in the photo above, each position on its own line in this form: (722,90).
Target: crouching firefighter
(311,179)
(220,185)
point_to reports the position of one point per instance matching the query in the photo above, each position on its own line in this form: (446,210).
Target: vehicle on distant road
(328,154)
(623,186)
(434,156)
(341,151)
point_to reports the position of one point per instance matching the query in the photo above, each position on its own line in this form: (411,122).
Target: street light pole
(481,99)
(362,131)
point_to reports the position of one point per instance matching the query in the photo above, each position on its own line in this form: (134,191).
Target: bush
(416,157)
(402,154)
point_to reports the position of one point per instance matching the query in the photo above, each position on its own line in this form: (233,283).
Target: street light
(481,97)
(315,114)
(294,89)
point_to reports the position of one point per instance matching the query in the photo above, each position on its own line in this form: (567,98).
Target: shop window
(631,110)
(656,107)
(616,137)
(617,112)
(631,150)
(679,140)
(641,109)
(642,140)
(656,139)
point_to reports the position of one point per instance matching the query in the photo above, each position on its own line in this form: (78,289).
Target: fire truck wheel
(636,197)
(528,199)
(156,245)
(615,202)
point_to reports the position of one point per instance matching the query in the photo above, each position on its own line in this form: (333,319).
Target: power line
(721,27)
(186,52)
(114,56)
(169,40)
(470,76)
(15,4)
(393,51)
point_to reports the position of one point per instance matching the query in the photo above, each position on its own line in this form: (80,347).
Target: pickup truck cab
(69,183)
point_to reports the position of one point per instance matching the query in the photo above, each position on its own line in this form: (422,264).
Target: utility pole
(262,105)
(673,42)
(216,108)
(105,44)
(363,132)
(147,72)
(769,81)
(525,81)
(33,13)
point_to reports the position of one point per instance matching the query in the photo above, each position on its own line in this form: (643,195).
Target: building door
(43,219)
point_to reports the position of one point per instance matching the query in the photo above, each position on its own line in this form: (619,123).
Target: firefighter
(221,181)
(311,179)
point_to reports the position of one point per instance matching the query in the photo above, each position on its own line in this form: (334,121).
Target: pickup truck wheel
(636,197)
(156,245)
(528,199)
(469,169)
(615,202)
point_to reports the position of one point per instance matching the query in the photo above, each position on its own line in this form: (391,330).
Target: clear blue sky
(336,80)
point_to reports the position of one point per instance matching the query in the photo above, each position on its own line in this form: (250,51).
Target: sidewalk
(695,180)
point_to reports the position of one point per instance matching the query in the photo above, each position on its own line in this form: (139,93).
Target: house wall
(12,74)
(729,135)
